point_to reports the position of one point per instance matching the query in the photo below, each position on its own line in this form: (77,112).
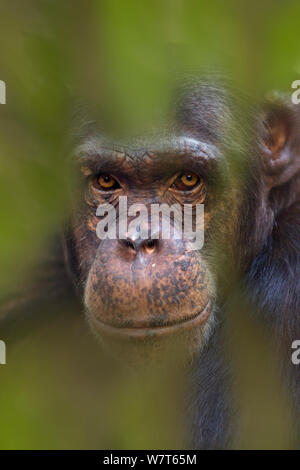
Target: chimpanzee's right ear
(280,142)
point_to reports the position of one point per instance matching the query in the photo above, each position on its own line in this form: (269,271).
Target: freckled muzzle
(147,288)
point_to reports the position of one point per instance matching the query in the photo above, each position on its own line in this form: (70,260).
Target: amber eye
(106,182)
(186,181)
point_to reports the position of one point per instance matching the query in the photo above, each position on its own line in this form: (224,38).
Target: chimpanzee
(242,162)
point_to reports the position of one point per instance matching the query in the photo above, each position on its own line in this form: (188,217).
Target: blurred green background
(122,58)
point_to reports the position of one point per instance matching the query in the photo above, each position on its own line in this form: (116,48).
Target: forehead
(146,156)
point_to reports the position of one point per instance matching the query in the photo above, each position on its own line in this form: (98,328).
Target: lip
(144,333)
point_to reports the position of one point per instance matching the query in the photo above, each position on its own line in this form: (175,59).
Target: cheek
(86,244)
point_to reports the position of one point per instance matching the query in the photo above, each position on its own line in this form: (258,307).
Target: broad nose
(148,246)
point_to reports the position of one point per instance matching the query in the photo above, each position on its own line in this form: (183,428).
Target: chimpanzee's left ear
(280,142)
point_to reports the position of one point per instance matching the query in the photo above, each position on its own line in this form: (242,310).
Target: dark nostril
(150,245)
(129,244)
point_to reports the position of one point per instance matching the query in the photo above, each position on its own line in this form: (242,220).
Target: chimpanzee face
(144,284)
(140,283)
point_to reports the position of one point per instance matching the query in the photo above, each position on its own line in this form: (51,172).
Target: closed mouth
(144,333)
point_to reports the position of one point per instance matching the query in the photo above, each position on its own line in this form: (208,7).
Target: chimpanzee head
(142,284)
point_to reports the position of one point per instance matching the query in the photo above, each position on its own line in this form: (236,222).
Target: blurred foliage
(122,58)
